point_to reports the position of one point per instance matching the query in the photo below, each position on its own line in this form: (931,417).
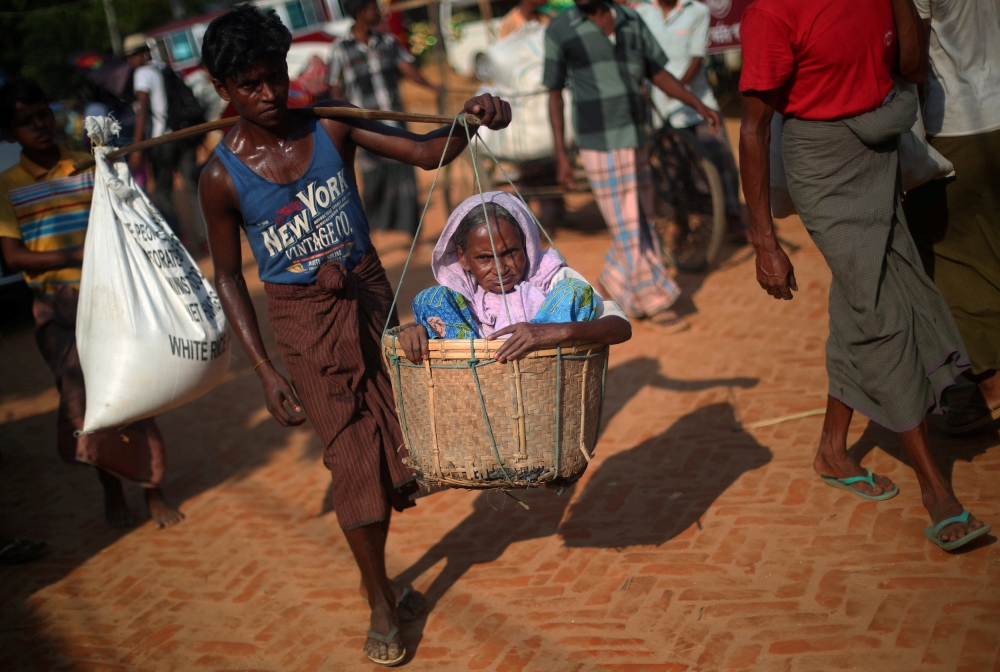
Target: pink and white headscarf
(524,300)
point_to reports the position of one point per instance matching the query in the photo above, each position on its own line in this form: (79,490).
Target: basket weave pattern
(441,411)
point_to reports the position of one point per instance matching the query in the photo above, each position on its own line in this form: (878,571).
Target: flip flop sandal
(933,531)
(985,416)
(845,484)
(18,551)
(387,640)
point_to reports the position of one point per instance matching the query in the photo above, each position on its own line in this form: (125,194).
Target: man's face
(33,126)
(259,93)
(138,58)
(588,6)
(371,13)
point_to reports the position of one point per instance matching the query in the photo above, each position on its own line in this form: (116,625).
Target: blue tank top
(294,228)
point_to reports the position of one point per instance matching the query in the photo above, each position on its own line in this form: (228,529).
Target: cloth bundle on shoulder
(516,64)
(918,161)
(150,329)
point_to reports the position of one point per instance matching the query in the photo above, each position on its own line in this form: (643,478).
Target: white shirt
(683,36)
(602,308)
(149,78)
(963,84)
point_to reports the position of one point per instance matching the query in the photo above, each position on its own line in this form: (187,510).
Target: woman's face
(478,257)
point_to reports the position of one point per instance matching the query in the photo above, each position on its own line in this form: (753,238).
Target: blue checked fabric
(609,110)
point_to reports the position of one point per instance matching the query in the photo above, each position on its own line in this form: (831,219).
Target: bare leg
(163,514)
(936,493)
(363,588)
(115,507)
(368,545)
(832,458)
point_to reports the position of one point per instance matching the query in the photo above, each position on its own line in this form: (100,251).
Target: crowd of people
(913,303)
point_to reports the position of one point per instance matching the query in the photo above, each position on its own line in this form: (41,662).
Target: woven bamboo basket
(472,422)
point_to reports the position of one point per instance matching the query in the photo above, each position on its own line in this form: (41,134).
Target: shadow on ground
(642,496)
(216,439)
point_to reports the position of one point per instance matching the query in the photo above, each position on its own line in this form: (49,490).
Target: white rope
(489,229)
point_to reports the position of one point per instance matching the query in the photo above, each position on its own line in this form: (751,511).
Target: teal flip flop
(933,531)
(845,484)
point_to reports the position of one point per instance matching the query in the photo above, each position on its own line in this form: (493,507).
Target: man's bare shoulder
(215,183)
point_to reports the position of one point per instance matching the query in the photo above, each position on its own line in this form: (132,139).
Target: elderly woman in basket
(542,302)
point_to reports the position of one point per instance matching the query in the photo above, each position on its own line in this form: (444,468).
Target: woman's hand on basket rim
(525,337)
(493,112)
(414,342)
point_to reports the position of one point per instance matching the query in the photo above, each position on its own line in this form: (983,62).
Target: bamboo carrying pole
(776,421)
(324,112)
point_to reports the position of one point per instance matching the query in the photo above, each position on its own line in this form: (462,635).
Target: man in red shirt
(827,66)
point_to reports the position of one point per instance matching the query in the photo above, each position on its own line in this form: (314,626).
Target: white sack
(516,64)
(918,161)
(150,329)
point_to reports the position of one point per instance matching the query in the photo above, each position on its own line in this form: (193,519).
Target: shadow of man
(651,493)
(705,457)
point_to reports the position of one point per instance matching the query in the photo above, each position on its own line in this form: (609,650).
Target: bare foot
(163,515)
(946,509)
(837,464)
(115,507)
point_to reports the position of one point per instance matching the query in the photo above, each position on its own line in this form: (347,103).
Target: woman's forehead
(499,225)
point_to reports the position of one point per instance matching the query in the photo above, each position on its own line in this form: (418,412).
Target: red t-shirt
(831,59)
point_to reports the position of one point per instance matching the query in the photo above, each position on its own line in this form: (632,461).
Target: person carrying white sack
(44,211)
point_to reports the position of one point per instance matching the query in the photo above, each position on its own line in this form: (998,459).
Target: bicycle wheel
(459,183)
(689,204)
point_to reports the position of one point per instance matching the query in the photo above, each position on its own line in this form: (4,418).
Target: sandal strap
(960,518)
(385,639)
(867,478)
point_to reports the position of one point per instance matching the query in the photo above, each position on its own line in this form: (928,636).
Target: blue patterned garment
(445,313)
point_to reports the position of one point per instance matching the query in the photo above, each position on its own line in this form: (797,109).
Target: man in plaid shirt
(605,52)
(365,69)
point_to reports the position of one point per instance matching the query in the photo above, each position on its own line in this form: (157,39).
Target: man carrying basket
(288,181)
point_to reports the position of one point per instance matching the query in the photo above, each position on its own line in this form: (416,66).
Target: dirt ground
(690,544)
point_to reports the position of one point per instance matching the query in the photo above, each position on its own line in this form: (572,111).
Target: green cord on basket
(604,377)
(399,386)
(482,402)
(459,118)
(558,406)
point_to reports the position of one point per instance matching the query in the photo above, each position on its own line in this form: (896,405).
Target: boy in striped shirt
(44,210)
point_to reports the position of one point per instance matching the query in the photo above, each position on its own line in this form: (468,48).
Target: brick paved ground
(689,545)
